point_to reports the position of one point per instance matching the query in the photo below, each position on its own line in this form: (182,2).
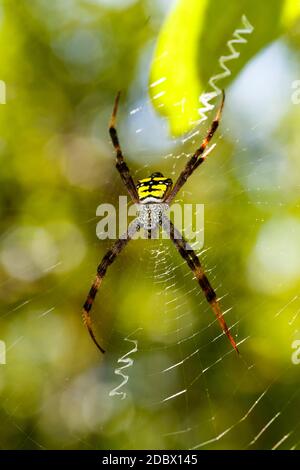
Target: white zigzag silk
(128,362)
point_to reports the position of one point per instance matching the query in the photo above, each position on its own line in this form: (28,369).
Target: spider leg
(107,260)
(198,157)
(188,254)
(121,165)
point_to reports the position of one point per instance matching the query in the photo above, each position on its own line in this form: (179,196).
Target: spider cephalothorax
(150,216)
(153,196)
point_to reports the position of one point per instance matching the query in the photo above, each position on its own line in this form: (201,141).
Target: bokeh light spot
(274,262)
(27,252)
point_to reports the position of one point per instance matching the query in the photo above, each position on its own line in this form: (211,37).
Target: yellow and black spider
(153,196)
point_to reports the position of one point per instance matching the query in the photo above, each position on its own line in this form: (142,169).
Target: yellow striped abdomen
(154,188)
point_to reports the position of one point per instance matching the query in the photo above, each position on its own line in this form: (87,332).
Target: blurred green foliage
(193,39)
(62,62)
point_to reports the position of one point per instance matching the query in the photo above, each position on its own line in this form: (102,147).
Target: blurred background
(62,63)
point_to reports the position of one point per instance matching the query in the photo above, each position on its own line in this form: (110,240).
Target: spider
(153,196)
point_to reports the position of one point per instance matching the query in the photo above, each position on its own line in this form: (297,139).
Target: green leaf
(192,41)
(174,78)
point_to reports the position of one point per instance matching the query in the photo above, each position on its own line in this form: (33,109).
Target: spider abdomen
(154,188)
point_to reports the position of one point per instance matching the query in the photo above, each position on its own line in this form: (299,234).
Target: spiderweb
(189,371)
(181,385)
